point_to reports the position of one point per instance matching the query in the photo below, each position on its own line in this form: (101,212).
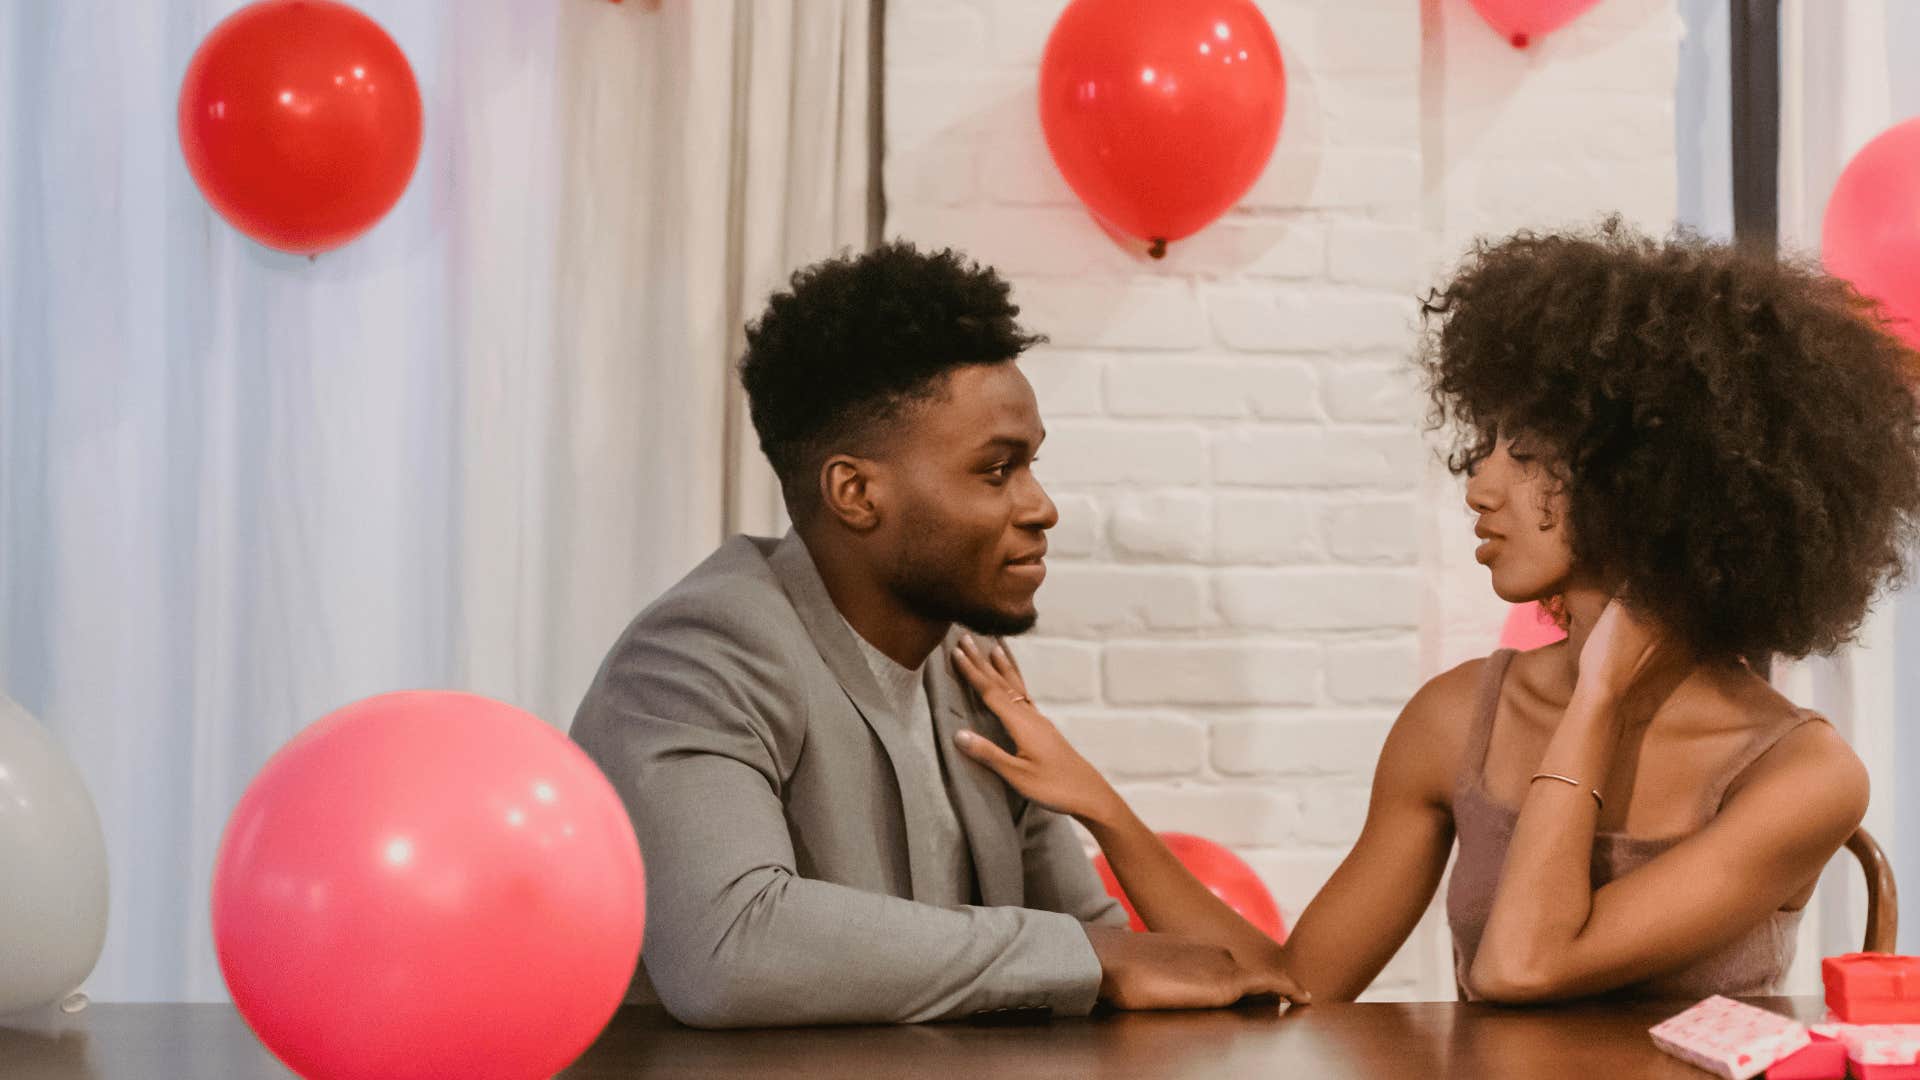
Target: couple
(853,811)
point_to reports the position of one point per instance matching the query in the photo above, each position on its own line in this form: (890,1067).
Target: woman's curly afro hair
(1736,436)
(834,358)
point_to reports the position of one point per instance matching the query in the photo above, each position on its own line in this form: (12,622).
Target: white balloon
(53,868)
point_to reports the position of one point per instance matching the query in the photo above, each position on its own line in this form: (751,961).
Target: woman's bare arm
(1367,908)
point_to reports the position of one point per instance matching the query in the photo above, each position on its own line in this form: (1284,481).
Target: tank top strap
(1493,673)
(1754,751)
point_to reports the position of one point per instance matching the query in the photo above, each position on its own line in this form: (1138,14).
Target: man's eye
(999,472)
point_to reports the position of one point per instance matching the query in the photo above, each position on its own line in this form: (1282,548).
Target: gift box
(1730,1039)
(1872,988)
(1885,1072)
(1825,1058)
(1878,1051)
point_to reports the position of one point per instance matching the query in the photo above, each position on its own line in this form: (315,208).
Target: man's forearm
(779,949)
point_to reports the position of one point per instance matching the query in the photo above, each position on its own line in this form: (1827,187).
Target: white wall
(1257,561)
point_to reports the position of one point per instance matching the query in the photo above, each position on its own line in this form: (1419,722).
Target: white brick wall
(1257,562)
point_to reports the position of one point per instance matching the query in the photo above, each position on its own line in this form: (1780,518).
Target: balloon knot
(1520,41)
(1158,249)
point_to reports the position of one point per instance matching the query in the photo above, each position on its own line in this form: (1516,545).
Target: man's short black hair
(835,358)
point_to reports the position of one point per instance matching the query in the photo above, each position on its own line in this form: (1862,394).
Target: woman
(1698,460)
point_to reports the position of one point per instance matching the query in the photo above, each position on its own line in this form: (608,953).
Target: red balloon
(1871,234)
(1221,871)
(1529,626)
(1523,21)
(1161,115)
(428,884)
(300,121)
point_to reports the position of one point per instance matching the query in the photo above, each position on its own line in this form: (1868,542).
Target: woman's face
(1522,521)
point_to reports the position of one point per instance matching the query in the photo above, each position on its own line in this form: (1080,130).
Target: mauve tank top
(1751,965)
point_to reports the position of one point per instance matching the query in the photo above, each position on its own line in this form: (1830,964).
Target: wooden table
(1326,1042)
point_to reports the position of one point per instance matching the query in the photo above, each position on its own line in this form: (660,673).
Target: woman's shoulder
(1808,749)
(1454,691)
(1431,738)
(1797,751)
(1777,729)
(1458,696)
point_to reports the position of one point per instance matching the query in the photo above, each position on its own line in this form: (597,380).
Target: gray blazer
(755,753)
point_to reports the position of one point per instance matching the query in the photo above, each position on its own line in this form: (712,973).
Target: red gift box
(1824,1059)
(1872,988)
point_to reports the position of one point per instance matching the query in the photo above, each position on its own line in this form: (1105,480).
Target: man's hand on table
(1158,971)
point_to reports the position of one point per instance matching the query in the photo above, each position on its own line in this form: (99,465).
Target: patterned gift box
(1823,1059)
(1729,1039)
(1876,1044)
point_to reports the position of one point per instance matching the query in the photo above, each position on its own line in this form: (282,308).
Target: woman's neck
(1582,604)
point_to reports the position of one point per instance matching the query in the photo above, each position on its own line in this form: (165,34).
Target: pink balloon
(1529,627)
(428,884)
(1522,22)
(1871,235)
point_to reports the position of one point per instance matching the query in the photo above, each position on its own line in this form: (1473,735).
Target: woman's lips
(1489,542)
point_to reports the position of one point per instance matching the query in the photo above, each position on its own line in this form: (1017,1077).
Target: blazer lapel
(793,565)
(979,796)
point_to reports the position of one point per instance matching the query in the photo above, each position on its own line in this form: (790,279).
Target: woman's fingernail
(963,737)
(966,641)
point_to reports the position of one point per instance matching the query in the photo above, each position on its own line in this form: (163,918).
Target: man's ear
(853,490)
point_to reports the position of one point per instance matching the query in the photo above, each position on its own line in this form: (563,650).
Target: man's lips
(1033,565)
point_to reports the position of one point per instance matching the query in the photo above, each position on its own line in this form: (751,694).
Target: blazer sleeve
(1059,876)
(693,722)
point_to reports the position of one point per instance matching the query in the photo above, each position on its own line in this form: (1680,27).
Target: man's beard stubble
(919,580)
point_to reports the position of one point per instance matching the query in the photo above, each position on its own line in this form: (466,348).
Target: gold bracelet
(1598,802)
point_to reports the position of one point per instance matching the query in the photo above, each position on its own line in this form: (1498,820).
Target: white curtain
(239,489)
(1838,90)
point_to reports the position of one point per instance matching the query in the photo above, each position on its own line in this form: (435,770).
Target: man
(780,724)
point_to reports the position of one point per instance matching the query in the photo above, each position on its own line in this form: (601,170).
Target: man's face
(963,538)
